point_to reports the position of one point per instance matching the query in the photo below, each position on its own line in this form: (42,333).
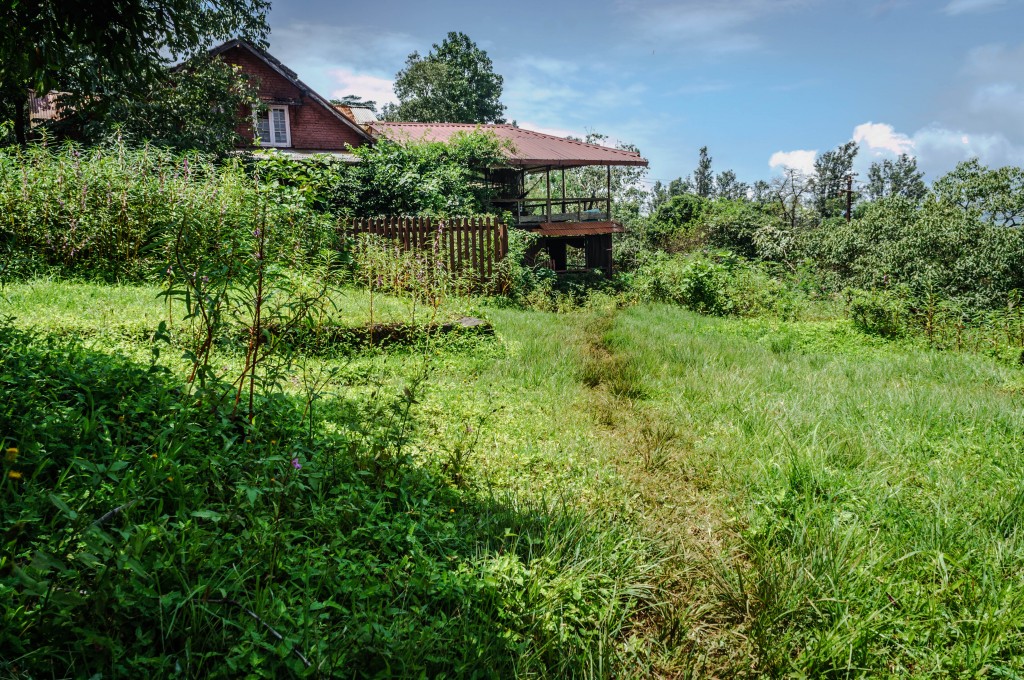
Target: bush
(109,212)
(886,313)
(718,284)
(676,221)
(935,248)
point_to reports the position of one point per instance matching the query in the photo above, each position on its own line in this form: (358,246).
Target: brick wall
(312,126)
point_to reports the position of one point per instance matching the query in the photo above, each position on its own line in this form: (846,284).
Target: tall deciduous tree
(92,48)
(830,172)
(454,83)
(703,178)
(992,196)
(728,187)
(198,107)
(896,178)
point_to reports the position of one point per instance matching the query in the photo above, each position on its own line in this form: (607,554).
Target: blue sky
(762,83)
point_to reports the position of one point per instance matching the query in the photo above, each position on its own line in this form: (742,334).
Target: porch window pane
(280,129)
(263,127)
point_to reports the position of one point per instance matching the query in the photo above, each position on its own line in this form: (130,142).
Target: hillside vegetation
(237,443)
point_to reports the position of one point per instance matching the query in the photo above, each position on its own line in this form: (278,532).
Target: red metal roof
(530,149)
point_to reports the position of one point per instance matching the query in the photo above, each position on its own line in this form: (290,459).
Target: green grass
(449,516)
(615,493)
(98,308)
(865,497)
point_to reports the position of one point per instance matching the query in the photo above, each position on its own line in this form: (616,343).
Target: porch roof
(530,150)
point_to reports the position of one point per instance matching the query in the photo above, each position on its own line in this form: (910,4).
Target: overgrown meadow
(236,443)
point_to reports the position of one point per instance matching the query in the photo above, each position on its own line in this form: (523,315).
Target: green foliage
(888,179)
(883,312)
(748,229)
(720,284)
(703,178)
(993,196)
(938,246)
(728,187)
(830,172)
(424,178)
(95,49)
(104,211)
(148,532)
(677,220)
(454,83)
(198,106)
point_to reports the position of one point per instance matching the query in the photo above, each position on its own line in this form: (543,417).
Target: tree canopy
(454,83)
(901,177)
(93,48)
(197,107)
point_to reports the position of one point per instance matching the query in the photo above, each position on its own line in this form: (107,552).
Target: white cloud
(347,81)
(342,59)
(880,137)
(802,160)
(937,148)
(956,7)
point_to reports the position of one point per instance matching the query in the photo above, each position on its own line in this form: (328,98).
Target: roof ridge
(509,126)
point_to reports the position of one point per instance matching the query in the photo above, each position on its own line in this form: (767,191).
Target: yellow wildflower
(153,456)
(170,479)
(12,454)
(120,419)
(14,474)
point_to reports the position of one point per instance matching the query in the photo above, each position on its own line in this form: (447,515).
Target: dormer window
(272,126)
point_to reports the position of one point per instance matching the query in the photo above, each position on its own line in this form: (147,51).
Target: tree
(761,192)
(703,179)
(728,187)
(791,191)
(199,107)
(676,219)
(896,178)
(454,83)
(992,196)
(829,183)
(93,48)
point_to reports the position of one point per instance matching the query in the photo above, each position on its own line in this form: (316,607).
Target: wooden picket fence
(464,244)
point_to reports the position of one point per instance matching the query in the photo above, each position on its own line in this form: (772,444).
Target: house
(575,232)
(296,119)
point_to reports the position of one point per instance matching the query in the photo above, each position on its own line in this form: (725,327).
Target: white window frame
(272,142)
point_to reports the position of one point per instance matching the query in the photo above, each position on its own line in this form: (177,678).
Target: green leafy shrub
(885,313)
(676,222)
(718,284)
(935,246)
(109,212)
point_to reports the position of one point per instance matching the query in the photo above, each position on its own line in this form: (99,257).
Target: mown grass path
(838,508)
